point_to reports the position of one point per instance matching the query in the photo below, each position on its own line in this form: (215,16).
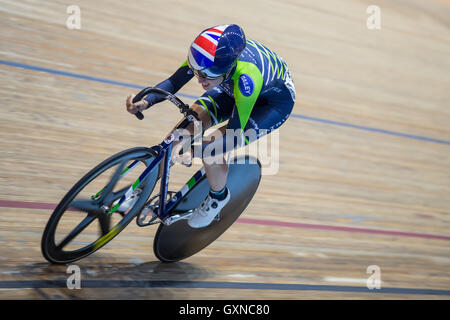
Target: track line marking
(49,206)
(131,85)
(110,283)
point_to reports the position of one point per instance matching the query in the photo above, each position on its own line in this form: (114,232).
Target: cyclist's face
(208,84)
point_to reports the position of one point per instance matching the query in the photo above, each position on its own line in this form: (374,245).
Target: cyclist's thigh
(267,115)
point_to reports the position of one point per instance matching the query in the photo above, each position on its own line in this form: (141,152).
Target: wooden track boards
(367,148)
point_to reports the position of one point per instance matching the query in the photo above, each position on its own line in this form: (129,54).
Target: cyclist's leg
(267,115)
(213,107)
(218,105)
(181,151)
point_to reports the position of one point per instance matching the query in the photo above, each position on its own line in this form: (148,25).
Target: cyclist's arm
(174,83)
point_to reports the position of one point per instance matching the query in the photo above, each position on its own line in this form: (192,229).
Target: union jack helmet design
(215,51)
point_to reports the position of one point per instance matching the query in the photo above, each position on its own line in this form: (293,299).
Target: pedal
(177,217)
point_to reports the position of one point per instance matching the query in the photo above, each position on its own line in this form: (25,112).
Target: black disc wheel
(179,241)
(83,222)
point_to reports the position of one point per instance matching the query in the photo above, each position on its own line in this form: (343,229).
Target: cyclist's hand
(135,107)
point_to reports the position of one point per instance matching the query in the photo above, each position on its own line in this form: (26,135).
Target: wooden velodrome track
(364,170)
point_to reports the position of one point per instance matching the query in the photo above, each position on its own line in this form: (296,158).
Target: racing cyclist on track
(246,84)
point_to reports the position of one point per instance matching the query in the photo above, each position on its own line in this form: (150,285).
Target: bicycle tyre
(50,249)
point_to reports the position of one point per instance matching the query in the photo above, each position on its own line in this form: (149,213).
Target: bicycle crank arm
(177,217)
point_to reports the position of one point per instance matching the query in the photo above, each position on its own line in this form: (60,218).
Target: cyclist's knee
(203,116)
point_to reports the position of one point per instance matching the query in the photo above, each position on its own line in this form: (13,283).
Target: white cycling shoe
(208,210)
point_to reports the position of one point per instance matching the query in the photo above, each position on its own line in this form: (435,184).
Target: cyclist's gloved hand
(136,107)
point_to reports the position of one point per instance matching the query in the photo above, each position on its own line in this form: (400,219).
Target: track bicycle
(89,215)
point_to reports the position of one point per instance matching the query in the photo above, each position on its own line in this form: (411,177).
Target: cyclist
(246,84)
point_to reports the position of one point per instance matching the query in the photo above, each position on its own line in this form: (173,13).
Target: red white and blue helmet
(215,51)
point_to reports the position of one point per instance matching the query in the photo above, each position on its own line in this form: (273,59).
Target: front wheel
(81,223)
